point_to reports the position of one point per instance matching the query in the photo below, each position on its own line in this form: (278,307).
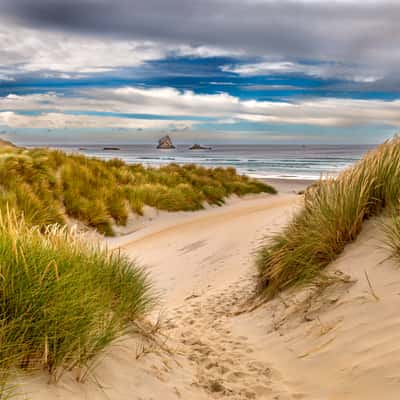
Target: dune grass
(332,216)
(62,301)
(49,186)
(391,227)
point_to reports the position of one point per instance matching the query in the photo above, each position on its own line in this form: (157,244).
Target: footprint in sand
(224,364)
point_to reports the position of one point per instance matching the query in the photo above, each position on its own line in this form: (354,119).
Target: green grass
(62,301)
(49,186)
(391,229)
(332,216)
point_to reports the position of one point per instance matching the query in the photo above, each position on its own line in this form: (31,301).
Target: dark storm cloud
(356,31)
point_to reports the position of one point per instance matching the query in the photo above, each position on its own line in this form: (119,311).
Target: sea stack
(165,143)
(111,148)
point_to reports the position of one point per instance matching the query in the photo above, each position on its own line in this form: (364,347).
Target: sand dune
(342,343)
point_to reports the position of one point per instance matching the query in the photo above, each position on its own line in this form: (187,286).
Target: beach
(217,343)
(289,185)
(199,200)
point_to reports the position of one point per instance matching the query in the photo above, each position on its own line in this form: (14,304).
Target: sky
(208,71)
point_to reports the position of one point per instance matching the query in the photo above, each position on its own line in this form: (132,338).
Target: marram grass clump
(332,216)
(391,228)
(48,187)
(62,300)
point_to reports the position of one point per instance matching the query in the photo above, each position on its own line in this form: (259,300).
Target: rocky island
(165,143)
(111,148)
(199,147)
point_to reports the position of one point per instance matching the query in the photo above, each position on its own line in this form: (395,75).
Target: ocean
(260,161)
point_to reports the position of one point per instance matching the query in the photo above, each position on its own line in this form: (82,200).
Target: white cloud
(204,51)
(262,68)
(324,70)
(52,53)
(65,55)
(187,104)
(4,77)
(228,121)
(55,120)
(160,101)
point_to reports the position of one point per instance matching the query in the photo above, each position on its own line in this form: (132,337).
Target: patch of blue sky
(143,116)
(121,115)
(202,76)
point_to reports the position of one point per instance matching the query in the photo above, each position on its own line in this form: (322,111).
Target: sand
(289,185)
(342,343)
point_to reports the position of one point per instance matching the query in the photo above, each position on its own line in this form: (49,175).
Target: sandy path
(204,268)
(341,343)
(207,250)
(203,265)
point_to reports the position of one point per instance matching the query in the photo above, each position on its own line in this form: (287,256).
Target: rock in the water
(111,148)
(165,143)
(199,147)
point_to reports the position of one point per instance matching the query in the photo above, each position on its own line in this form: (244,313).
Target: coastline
(257,161)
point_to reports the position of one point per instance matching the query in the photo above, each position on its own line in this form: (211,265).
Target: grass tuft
(391,229)
(332,216)
(62,300)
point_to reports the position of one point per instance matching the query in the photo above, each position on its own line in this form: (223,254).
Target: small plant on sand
(332,216)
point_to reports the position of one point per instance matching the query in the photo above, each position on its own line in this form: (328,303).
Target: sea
(259,161)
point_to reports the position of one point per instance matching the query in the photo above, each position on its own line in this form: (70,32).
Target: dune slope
(341,343)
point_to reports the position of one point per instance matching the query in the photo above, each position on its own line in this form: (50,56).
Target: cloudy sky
(244,71)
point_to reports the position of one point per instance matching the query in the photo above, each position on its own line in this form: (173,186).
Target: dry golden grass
(46,186)
(332,216)
(62,300)
(391,227)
